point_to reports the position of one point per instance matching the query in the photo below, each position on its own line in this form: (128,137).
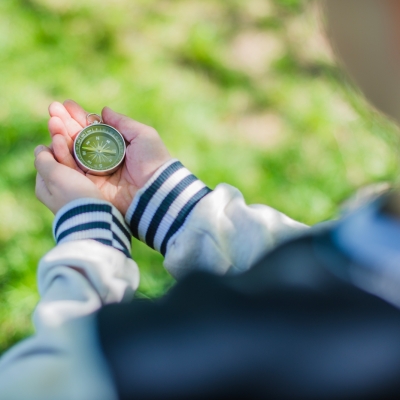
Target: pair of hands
(59,180)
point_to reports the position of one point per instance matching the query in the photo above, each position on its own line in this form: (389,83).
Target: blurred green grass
(243,92)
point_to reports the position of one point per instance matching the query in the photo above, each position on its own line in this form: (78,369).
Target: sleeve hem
(92,219)
(161,207)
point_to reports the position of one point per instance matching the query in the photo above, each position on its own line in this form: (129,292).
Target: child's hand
(145,151)
(57,185)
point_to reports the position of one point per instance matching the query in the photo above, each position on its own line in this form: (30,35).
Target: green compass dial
(99,149)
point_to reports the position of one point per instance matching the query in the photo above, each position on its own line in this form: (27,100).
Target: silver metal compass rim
(95,171)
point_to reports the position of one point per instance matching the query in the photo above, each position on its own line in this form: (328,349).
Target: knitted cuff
(92,219)
(162,206)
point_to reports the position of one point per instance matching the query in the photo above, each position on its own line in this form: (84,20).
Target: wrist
(160,209)
(94,219)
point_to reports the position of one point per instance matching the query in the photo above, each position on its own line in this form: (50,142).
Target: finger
(57,109)
(57,128)
(62,153)
(128,127)
(76,112)
(42,192)
(45,163)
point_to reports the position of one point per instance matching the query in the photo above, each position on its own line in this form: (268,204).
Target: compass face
(99,149)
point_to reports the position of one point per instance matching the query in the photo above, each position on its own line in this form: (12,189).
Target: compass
(99,149)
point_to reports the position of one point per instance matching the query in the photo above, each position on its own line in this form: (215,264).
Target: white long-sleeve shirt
(199,229)
(194,227)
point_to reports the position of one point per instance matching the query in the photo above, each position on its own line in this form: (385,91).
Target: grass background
(243,92)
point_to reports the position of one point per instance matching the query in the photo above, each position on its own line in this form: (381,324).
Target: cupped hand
(145,151)
(57,185)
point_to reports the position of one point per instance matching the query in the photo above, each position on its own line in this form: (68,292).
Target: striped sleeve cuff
(162,206)
(92,219)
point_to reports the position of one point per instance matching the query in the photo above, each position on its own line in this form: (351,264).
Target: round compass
(99,149)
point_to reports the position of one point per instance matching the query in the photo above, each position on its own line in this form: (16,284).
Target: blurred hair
(361,33)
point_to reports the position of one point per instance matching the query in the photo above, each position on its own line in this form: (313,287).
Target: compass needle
(99,148)
(88,148)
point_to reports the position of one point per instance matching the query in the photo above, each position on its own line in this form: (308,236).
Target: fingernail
(39,149)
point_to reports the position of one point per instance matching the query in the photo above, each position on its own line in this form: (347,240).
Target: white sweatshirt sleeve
(196,228)
(86,270)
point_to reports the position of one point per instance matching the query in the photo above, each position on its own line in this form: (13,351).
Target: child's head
(366,36)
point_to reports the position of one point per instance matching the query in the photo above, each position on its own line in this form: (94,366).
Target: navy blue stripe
(126,252)
(181,218)
(120,226)
(164,206)
(82,210)
(148,194)
(84,227)
(104,241)
(109,243)
(120,241)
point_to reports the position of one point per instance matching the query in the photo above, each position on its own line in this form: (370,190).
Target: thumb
(45,163)
(128,127)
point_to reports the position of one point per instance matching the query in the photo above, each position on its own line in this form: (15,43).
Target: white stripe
(117,231)
(84,218)
(136,199)
(120,218)
(77,203)
(158,198)
(174,210)
(88,234)
(117,245)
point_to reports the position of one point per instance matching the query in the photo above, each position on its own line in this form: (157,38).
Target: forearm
(199,229)
(61,361)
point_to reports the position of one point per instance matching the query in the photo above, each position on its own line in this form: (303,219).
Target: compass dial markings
(100,148)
